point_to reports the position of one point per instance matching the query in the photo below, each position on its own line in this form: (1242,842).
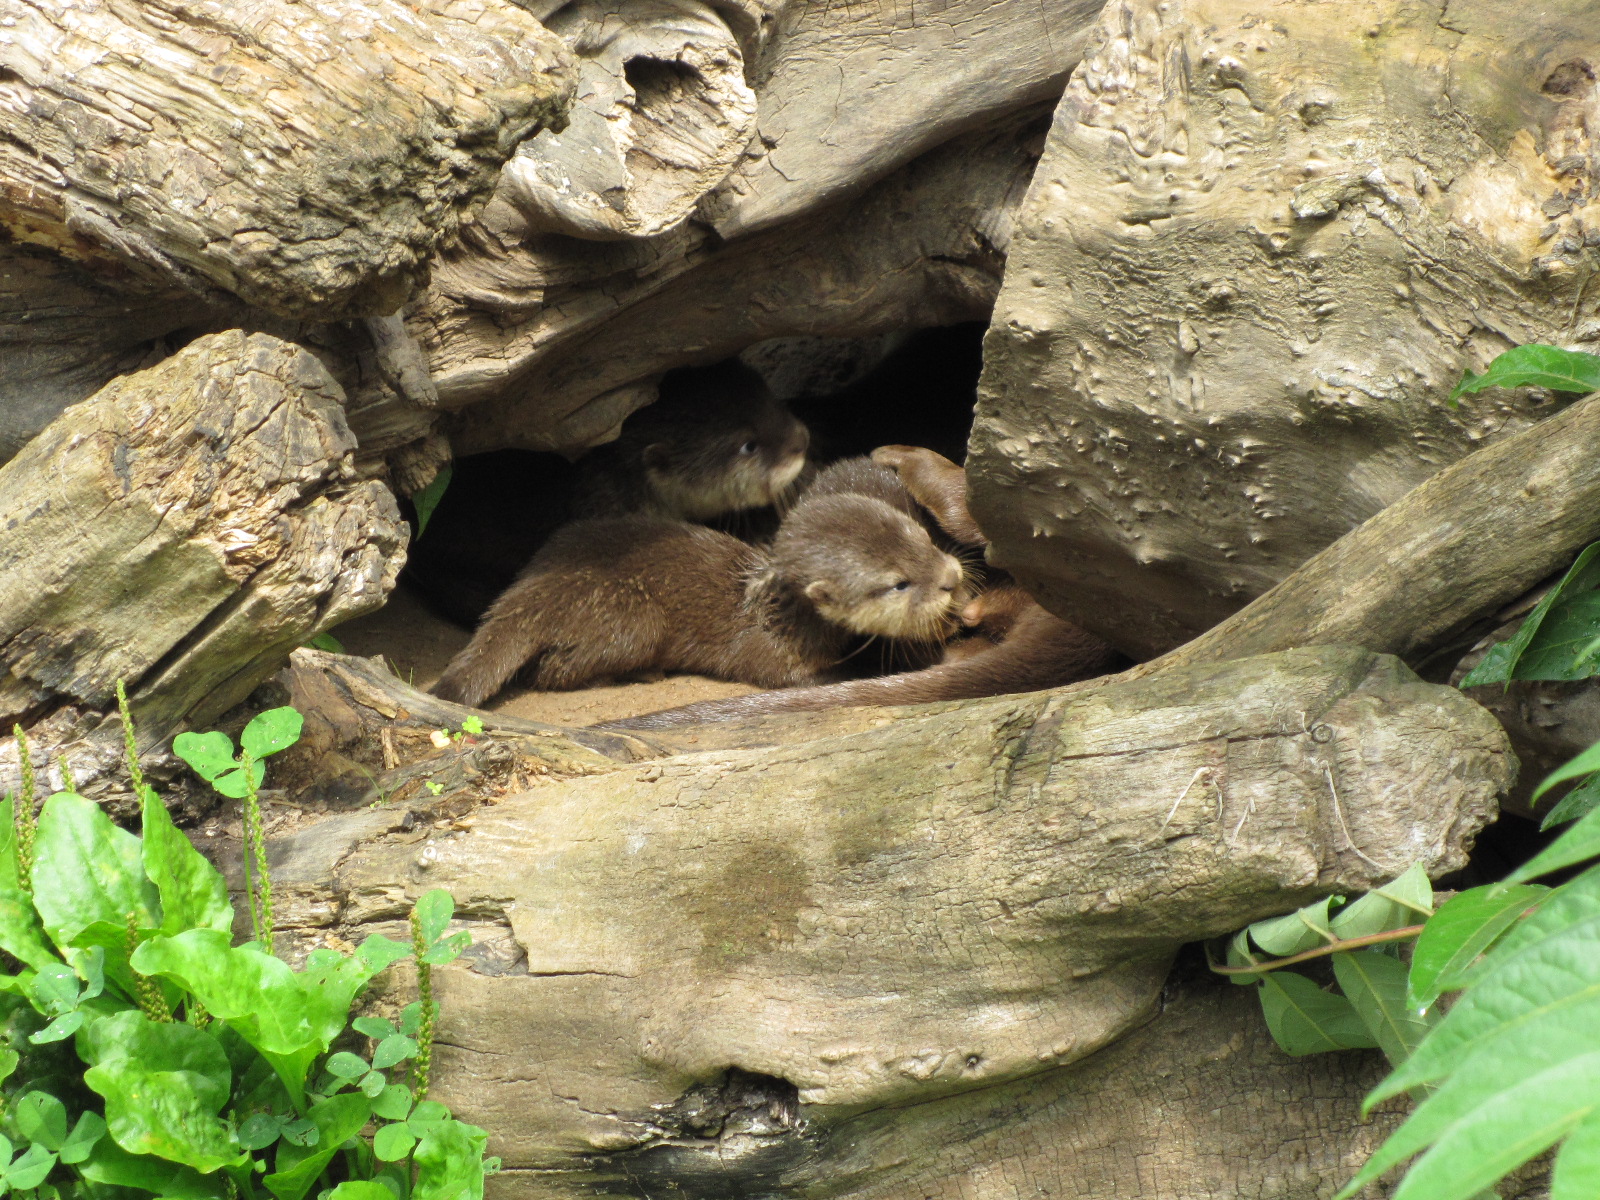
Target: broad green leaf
(1577,1168)
(447,950)
(8,843)
(1375,984)
(1494,667)
(40,1117)
(360,1189)
(347,1066)
(372,1084)
(1553,981)
(428,498)
(1534,365)
(55,989)
(80,1143)
(434,910)
(269,732)
(87,872)
(393,1103)
(325,641)
(108,1163)
(1584,764)
(210,754)
(1464,927)
(392,1050)
(1407,900)
(20,934)
(374,1027)
(193,892)
(1304,1019)
(1579,802)
(257,994)
(336,1120)
(164,1084)
(1563,648)
(89,964)
(449,1160)
(301,1132)
(59,1029)
(427,1114)
(393,1142)
(259,1130)
(9,1059)
(1579,843)
(1505,1132)
(1582,577)
(30,1168)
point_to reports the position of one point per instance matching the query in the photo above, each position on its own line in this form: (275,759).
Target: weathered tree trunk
(1257,254)
(181,531)
(899,916)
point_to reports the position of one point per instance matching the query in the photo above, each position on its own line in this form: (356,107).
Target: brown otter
(624,594)
(1019,646)
(714,443)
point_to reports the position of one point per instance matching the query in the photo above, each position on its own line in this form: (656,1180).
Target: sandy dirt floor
(417,644)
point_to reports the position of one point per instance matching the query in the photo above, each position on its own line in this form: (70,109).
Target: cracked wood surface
(1256,255)
(941,901)
(305,155)
(182,530)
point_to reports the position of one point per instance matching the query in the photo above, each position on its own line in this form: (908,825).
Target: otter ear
(655,456)
(817,592)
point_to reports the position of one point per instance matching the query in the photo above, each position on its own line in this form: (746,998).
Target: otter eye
(748,448)
(902,585)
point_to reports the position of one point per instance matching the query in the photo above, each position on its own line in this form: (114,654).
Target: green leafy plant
(144,1053)
(428,498)
(1559,639)
(1360,941)
(1534,365)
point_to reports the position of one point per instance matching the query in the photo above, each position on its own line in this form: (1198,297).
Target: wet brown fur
(619,595)
(1017,645)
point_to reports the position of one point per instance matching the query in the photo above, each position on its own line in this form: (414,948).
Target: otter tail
(1042,652)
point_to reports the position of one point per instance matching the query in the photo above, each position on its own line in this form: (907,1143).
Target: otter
(1017,646)
(618,595)
(716,442)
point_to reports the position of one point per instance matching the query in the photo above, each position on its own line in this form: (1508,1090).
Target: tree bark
(1251,265)
(117,114)
(905,918)
(182,530)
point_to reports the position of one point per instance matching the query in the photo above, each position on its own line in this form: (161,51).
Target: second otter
(619,595)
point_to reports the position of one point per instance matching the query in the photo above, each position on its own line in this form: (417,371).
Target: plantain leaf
(20,934)
(1463,928)
(87,873)
(108,1163)
(1304,1019)
(1535,365)
(164,1084)
(449,1158)
(193,892)
(360,1189)
(336,1119)
(1375,983)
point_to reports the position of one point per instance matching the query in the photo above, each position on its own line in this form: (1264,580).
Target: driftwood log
(884,915)
(1252,264)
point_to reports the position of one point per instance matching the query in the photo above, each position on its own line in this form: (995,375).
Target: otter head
(717,441)
(869,568)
